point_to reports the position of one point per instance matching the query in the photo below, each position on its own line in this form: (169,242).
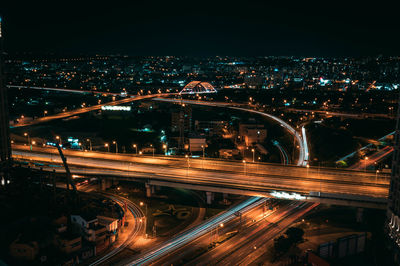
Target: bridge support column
(148,190)
(210,197)
(105,183)
(225,198)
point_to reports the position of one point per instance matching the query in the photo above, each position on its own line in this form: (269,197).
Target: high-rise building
(5,145)
(393,212)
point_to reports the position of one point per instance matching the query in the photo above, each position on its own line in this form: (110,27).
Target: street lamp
(44,112)
(107,146)
(59,139)
(151,145)
(145,217)
(365,161)
(376,174)
(244,166)
(28,138)
(143,204)
(253,150)
(188,165)
(219,226)
(165,149)
(135,146)
(90,144)
(116,146)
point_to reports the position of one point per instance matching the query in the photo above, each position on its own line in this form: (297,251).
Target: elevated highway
(86,109)
(327,185)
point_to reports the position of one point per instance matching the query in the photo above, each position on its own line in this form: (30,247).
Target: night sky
(325,28)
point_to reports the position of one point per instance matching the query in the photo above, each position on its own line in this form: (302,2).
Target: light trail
(258,179)
(365,147)
(195,232)
(138,228)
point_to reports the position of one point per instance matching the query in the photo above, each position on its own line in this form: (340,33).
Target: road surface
(79,111)
(259,177)
(376,157)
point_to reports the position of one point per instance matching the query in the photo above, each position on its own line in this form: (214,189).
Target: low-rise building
(24,250)
(252,133)
(91,229)
(68,242)
(210,127)
(196,143)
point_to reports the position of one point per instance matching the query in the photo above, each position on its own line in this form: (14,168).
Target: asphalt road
(233,174)
(373,159)
(24,122)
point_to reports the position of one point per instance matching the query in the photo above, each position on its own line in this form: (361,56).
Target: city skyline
(268,134)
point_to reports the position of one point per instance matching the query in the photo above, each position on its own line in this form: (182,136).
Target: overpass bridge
(87,109)
(326,185)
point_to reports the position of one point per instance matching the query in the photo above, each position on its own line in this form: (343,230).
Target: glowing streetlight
(165,149)
(135,146)
(28,138)
(254,152)
(244,166)
(116,146)
(365,161)
(107,146)
(90,144)
(145,213)
(188,164)
(151,145)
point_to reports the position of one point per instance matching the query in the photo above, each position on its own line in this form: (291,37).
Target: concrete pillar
(225,198)
(210,197)
(148,190)
(103,184)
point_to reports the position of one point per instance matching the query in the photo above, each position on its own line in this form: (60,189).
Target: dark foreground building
(5,145)
(393,226)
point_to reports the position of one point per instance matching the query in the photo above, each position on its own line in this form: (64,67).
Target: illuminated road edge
(196,232)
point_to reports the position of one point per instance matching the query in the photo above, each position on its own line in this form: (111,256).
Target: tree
(281,244)
(295,234)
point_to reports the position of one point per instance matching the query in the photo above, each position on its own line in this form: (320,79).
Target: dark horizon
(206,29)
